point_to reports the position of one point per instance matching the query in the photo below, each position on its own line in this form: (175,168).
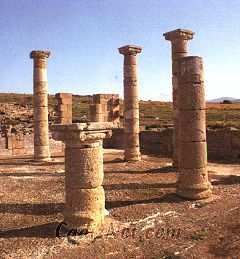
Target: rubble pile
(18,117)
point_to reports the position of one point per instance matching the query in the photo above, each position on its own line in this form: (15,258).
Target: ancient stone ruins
(40,94)
(83,142)
(85,200)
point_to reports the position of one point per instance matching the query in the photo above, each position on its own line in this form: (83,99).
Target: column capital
(130,50)
(39,54)
(179,34)
(83,132)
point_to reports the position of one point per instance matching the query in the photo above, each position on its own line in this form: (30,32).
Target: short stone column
(105,107)
(131,103)
(193,176)
(179,39)
(84,193)
(8,137)
(96,113)
(40,101)
(64,108)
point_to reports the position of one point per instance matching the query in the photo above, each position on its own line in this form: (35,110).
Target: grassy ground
(153,114)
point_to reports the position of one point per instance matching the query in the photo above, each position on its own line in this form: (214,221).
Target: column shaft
(131,103)
(193,176)
(40,100)
(85,199)
(179,39)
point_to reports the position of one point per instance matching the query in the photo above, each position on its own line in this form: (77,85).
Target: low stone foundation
(19,144)
(222,144)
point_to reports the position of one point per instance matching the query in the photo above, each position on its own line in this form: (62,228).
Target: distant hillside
(153,114)
(80,102)
(221,99)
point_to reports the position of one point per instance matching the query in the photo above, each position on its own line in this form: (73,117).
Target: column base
(41,153)
(132,157)
(85,208)
(174,164)
(44,159)
(195,192)
(84,222)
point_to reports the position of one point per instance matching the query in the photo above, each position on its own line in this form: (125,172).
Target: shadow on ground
(165,169)
(133,186)
(165,198)
(32,209)
(32,174)
(226,180)
(48,230)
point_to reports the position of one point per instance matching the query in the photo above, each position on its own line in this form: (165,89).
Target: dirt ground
(146,219)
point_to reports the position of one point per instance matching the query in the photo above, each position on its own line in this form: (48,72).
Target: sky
(84,36)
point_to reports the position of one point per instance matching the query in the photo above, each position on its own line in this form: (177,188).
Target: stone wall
(222,144)
(18,144)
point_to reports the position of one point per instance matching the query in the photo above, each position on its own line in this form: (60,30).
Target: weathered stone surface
(195,192)
(188,177)
(192,155)
(131,103)
(40,100)
(64,108)
(85,200)
(179,39)
(90,161)
(105,107)
(191,97)
(85,208)
(82,127)
(40,91)
(191,71)
(192,160)
(196,130)
(41,152)
(40,116)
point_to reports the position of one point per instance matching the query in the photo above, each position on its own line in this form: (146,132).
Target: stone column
(8,137)
(131,103)
(105,107)
(96,112)
(40,101)
(84,193)
(179,39)
(64,108)
(193,176)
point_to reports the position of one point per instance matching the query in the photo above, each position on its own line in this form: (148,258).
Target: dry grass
(153,114)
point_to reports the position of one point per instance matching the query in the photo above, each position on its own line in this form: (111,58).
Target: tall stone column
(179,39)
(193,176)
(131,103)
(40,100)
(84,193)
(64,108)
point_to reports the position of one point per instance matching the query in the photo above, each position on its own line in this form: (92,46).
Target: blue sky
(83,36)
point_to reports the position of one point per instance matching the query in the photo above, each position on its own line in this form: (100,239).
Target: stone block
(191,97)
(192,126)
(192,155)
(84,167)
(85,208)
